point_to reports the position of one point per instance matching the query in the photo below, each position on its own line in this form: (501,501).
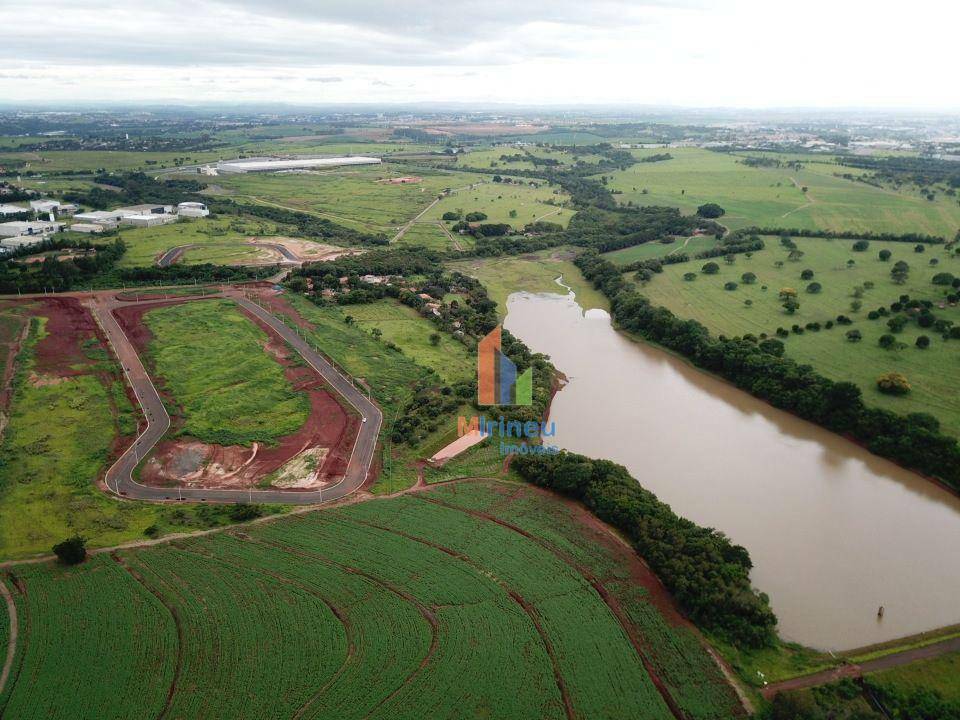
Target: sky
(689,53)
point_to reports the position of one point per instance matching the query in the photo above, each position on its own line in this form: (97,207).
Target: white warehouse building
(274,164)
(192,209)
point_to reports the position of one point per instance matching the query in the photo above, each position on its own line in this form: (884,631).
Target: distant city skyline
(681,53)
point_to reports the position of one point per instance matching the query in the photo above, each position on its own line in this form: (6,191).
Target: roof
(255,164)
(12,209)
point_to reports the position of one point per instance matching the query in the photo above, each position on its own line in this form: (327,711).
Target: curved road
(119,477)
(173,254)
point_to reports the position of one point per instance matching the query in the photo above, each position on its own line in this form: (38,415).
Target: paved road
(854,671)
(173,254)
(119,477)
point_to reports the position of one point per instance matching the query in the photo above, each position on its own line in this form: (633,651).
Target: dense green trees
(710,210)
(708,575)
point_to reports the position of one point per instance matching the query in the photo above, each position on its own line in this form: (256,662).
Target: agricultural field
(490,159)
(433,236)
(930,371)
(212,360)
(688,246)
(534,272)
(774,197)
(515,205)
(375,610)
(67,411)
(224,241)
(409,330)
(355,197)
(89,161)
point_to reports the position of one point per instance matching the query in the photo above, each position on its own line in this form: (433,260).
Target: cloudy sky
(698,53)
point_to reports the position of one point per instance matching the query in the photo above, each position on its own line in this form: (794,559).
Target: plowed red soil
(188,462)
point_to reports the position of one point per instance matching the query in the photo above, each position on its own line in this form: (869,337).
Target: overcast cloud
(749,53)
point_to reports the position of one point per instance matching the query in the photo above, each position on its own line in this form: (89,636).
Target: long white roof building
(274,164)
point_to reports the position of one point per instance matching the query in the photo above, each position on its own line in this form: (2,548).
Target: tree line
(912,440)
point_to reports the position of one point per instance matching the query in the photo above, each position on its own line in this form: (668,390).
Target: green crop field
(226,240)
(930,372)
(417,606)
(535,272)
(213,361)
(940,674)
(409,330)
(688,246)
(62,424)
(515,205)
(773,197)
(355,197)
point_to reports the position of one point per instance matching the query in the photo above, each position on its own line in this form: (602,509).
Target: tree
(791,306)
(711,268)
(795,255)
(729,258)
(884,255)
(897,323)
(806,275)
(887,342)
(434,339)
(944,278)
(748,278)
(919,248)
(854,336)
(730,285)
(787,292)
(689,276)
(814,287)
(778,264)
(923,342)
(451,215)
(772,346)
(856,305)
(861,245)
(349,320)
(377,333)
(893,383)
(72,551)
(710,210)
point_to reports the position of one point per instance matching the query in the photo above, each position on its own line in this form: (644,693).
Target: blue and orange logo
(497,379)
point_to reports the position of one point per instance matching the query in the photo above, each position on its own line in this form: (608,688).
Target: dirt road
(119,477)
(12,641)
(859,670)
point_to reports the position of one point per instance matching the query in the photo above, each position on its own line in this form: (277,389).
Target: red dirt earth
(328,426)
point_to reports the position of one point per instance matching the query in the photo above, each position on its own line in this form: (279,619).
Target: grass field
(431,235)
(406,328)
(353,197)
(223,240)
(63,422)
(395,608)
(535,272)
(940,674)
(491,158)
(932,372)
(498,201)
(92,160)
(212,359)
(688,246)
(773,197)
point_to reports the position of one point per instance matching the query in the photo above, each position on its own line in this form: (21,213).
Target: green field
(535,272)
(63,423)
(940,674)
(354,197)
(409,330)
(213,361)
(111,160)
(411,607)
(931,372)
(224,241)
(431,235)
(688,246)
(491,158)
(773,197)
(499,200)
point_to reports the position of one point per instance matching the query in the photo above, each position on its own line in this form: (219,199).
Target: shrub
(806,274)
(748,278)
(884,255)
(711,268)
(943,278)
(710,210)
(861,245)
(689,276)
(814,288)
(919,248)
(730,285)
(854,336)
(72,551)
(897,323)
(893,383)
(772,346)
(887,341)
(923,342)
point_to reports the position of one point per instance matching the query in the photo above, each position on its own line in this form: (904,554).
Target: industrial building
(29,228)
(109,218)
(192,209)
(89,228)
(144,210)
(266,164)
(20,241)
(147,220)
(7,210)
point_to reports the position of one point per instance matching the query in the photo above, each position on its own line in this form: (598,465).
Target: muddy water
(834,532)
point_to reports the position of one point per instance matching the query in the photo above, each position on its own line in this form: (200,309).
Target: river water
(834,532)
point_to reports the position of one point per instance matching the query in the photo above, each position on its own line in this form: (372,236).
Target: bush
(748,278)
(943,278)
(711,268)
(689,276)
(806,274)
(861,245)
(450,215)
(730,285)
(919,248)
(814,288)
(854,336)
(923,342)
(884,255)
(772,347)
(710,210)
(893,383)
(887,341)
(72,551)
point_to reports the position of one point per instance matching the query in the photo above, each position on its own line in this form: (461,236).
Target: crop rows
(98,646)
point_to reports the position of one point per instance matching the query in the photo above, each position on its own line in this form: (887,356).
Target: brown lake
(834,532)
